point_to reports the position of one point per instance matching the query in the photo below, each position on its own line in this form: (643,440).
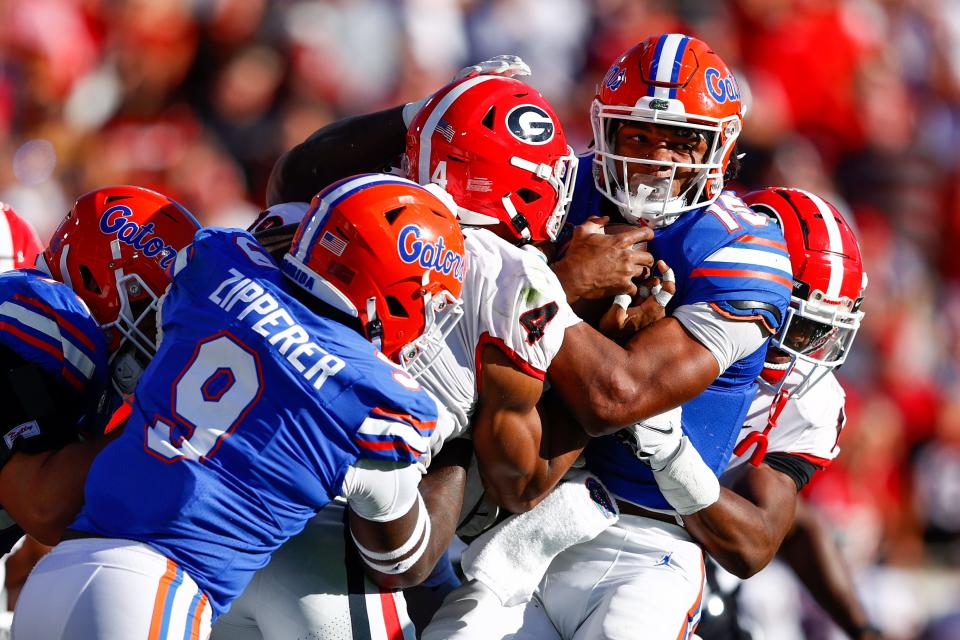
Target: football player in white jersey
(794,424)
(491,375)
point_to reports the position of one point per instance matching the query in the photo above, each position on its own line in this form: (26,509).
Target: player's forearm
(45,490)
(519,488)
(360,144)
(735,533)
(442,492)
(815,558)
(744,528)
(521,458)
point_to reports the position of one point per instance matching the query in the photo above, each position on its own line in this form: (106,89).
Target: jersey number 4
(536,320)
(214,391)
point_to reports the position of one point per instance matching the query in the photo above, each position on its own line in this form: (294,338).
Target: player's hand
(649,305)
(508,66)
(656,439)
(599,264)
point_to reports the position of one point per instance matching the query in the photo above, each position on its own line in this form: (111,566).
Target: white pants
(107,589)
(315,587)
(639,578)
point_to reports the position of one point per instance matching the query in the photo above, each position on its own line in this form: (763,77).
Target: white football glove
(508,66)
(684,479)
(655,439)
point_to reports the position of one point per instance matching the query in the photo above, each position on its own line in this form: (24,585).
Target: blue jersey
(246,421)
(733,259)
(43,322)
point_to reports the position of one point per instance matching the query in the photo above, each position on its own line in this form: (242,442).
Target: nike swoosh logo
(657,429)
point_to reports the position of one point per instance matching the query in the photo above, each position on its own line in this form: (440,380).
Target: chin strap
(758,439)
(517,219)
(374,327)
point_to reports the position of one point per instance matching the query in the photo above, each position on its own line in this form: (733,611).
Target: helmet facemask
(561,178)
(817,334)
(630,182)
(441,311)
(136,323)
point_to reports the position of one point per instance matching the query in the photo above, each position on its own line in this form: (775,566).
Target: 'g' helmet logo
(530,124)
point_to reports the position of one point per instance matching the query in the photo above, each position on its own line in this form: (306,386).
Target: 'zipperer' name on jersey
(277,325)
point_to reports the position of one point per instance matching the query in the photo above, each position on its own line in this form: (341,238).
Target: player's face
(662,143)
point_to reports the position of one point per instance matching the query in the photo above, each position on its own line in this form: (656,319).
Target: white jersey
(511,300)
(808,427)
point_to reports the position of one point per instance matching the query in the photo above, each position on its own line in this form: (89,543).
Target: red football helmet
(676,82)
(496,145)
(828,284)
(390,253)
(19,244)
(113,249)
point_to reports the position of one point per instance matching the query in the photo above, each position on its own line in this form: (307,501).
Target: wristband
(686,481)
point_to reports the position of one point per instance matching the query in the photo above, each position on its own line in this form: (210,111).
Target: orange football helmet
(113,249)
(390,253)
(676,82)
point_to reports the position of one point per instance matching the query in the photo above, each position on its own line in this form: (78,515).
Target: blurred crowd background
(856,100)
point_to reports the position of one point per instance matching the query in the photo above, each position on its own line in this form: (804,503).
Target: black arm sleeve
(361,144)
(799,469)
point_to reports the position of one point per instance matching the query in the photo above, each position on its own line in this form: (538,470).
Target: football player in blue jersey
(666,119)
(56,364)
(114,249)
(53,389)
(272,393)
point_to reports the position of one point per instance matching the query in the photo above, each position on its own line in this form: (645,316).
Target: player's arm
(43,492)
(608,386)
(520,458)
(813,555)
(402,525)
(354,145)
(744,529)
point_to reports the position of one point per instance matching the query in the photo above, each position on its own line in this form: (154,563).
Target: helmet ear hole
(490,118)
(393,214)
(529,196)
(396,309)
(89,282)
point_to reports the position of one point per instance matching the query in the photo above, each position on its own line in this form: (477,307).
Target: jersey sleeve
(728,340)
(741,265)
(399,418)
(51,348)
(528,314)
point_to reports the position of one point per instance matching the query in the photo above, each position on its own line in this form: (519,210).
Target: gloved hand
(656,439)
(681,474)
(508,66)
